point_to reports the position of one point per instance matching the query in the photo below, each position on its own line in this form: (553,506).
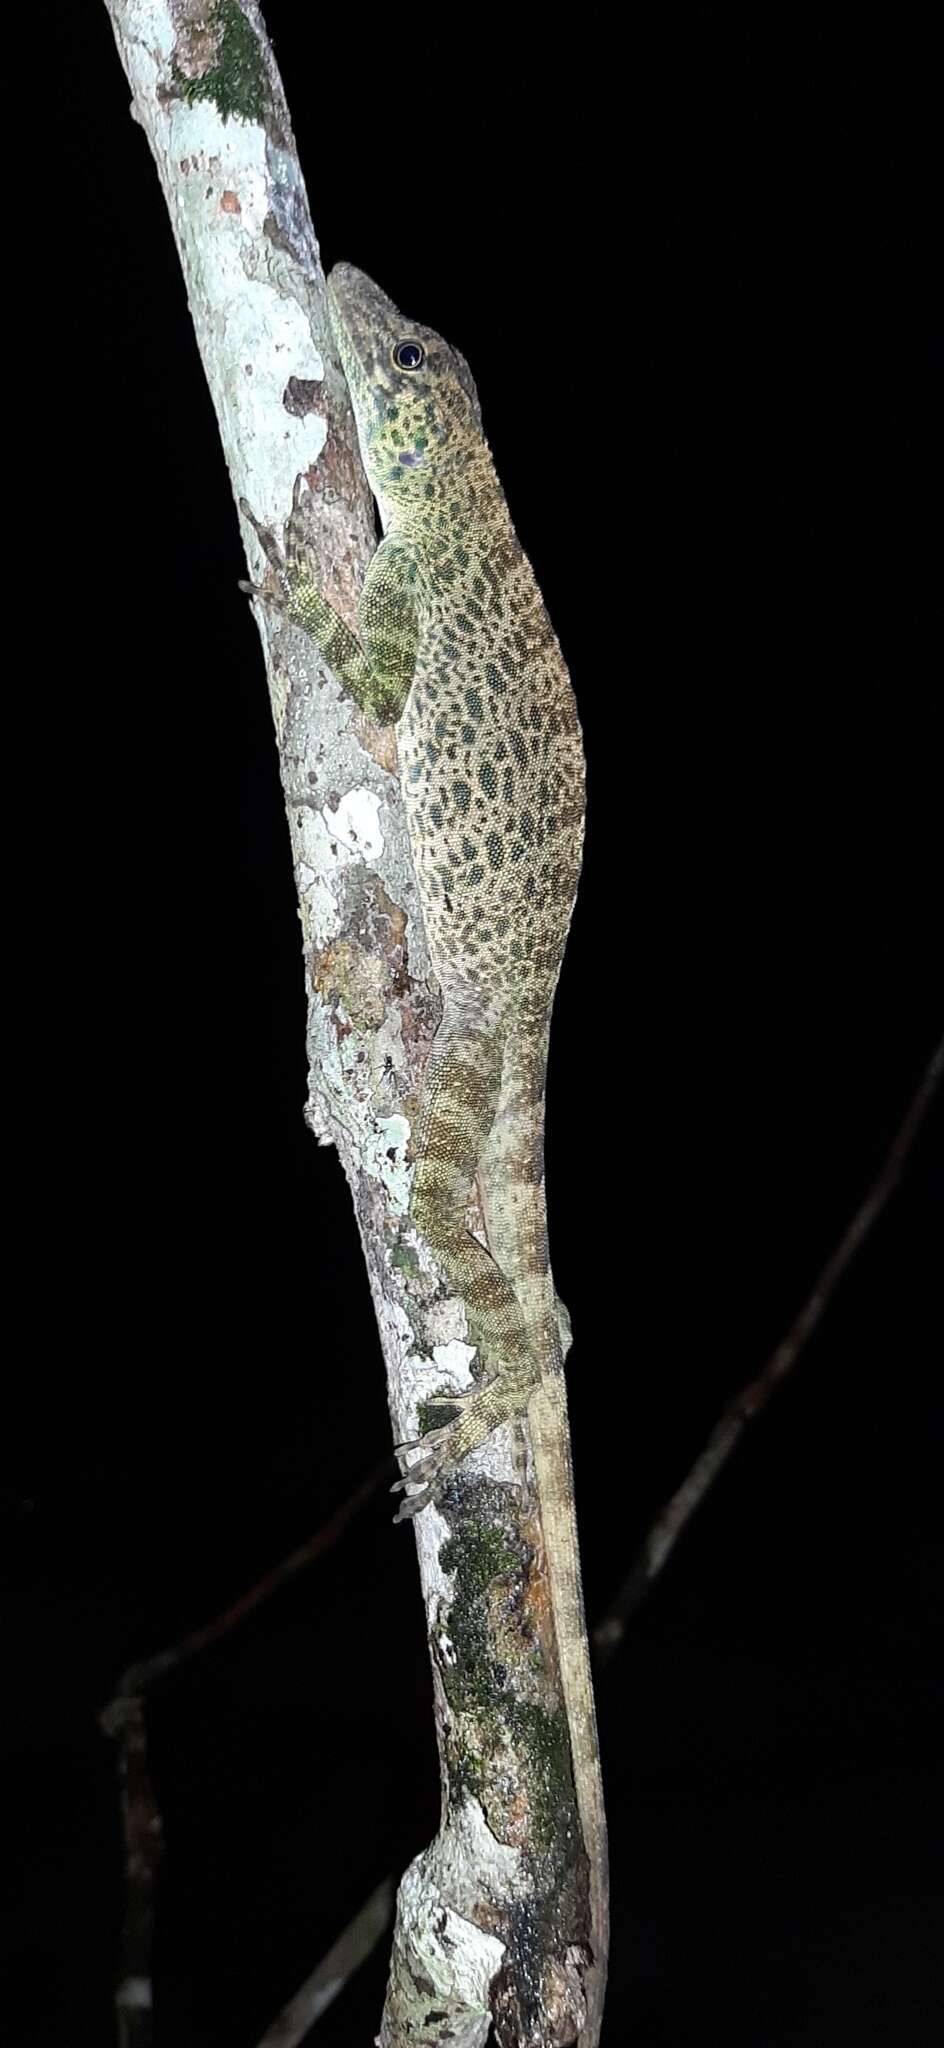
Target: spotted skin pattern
(455,645)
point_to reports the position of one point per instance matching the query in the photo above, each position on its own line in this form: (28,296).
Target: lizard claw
(414,1505)
(274,556)
(288,558)
(434,1469)
(475,1414)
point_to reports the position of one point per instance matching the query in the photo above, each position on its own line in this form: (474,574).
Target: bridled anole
(455,645)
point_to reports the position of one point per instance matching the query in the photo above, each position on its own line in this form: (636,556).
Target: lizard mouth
(365,322)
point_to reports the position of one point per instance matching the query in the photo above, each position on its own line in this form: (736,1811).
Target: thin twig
(668,1526)
(124,1721)
(139,1677)
(351,1949)
(144,1841)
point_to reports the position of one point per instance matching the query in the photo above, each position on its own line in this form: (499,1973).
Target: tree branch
(209,98)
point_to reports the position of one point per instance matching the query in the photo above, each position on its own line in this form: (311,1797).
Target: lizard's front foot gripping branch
(274,556)
(434,1469)
(481,1410)
(292,571)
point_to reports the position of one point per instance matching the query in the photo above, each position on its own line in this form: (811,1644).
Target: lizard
(455,647)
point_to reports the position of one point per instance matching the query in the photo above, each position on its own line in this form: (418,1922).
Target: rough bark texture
(489,1917)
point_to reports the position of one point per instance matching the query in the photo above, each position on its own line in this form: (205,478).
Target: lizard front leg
(377,669)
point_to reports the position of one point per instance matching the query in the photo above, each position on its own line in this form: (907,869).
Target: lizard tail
(511,1181)
(551,1444)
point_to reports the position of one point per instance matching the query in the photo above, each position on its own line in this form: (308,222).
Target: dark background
(692,274)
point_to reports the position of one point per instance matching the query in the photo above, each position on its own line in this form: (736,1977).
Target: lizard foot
(435,1468)
(288,569)
(481,1410)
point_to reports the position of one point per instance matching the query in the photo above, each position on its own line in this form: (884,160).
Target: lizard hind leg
(511,1183)
(460,1097)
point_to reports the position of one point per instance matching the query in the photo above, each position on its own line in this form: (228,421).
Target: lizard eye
(409,355)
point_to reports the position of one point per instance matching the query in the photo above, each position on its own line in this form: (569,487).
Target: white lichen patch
(468,1844)
(322,838)
(222,197)
(451,1362)
(318,911)
(458,1957)
(400,1322)
(446,1321)
(432,1535)
(354,824)
(389,1140)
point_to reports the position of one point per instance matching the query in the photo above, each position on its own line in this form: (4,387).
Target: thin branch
(139,1677)
(727,1433)
(351,1949)
(144,1842)
(207,94)
(124,1721)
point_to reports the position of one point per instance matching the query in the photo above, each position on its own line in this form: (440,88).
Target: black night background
(692,269)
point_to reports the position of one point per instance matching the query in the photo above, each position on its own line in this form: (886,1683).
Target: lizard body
(456,646)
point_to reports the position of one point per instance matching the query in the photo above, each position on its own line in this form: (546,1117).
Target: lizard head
(414,400)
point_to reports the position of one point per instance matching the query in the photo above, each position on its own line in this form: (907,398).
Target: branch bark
(492,1916)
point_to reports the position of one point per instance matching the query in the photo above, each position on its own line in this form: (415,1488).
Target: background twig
(727,1433)
(144,1843)
(352,1948)
(140,1676)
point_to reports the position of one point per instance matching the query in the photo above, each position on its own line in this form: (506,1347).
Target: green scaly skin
(455,645)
